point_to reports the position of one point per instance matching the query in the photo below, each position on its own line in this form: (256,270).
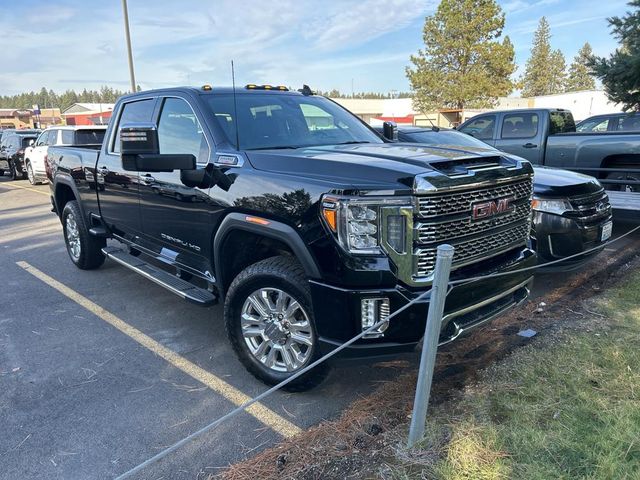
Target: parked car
(572,213)
(309,225)
(548,137)
(36,154)
(615,122)
(12,153)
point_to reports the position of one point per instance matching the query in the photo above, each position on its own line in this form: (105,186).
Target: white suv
(35,155)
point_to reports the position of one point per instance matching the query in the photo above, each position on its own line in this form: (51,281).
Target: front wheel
(84,249)
(270,324)
(30,174)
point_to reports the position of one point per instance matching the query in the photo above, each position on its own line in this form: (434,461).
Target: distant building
(16,118)
(88,113)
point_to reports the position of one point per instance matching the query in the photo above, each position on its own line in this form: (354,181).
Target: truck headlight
(356,223)
(557,206)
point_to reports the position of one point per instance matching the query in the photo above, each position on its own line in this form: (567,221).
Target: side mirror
(140,151)
(390,131)
(32,142)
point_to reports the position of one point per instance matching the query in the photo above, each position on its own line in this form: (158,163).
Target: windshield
(287,121)
(445,137)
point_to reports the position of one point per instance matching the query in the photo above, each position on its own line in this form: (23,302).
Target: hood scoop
(465,166)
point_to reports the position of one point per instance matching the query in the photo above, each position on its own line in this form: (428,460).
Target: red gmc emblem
(492,207)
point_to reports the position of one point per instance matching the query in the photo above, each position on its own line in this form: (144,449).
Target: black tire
(83,248)
(30,174)
(1,173)
(619,187)
(286,274)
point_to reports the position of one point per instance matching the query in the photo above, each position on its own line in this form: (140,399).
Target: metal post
(438,295)
(128,37)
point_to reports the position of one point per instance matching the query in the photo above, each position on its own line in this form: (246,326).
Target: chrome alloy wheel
(276,329)
(30,174)
(73,236)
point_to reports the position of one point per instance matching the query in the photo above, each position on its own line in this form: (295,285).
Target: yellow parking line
(11,185)
(235,396)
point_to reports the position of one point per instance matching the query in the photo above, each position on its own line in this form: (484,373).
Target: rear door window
(481,127)
(600,124)
(140,111)
(520,125)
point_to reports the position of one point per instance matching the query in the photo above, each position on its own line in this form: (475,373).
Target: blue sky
(80,43)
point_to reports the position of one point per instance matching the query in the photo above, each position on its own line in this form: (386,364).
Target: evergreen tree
(579,75)
(545,69)
(558,72)
(464,63)
(620,73)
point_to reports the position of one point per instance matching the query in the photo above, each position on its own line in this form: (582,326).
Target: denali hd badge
(492,207)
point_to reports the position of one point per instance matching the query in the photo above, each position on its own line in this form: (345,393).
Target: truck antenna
(235,105)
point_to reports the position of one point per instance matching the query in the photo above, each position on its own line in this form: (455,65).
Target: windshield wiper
(353,142)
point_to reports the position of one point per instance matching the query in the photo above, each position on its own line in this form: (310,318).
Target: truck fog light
(396,232)
(372,311)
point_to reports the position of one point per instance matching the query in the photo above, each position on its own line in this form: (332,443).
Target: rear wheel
(269,322)
(84,249)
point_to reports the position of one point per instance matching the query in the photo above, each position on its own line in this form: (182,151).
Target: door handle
(530,145)
(103,171)
(148,179)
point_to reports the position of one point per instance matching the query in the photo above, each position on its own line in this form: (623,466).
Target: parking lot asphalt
(100,370)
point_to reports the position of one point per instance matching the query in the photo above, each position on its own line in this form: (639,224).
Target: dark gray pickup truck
(548,137)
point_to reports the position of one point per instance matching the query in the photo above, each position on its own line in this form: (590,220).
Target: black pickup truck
(306,222)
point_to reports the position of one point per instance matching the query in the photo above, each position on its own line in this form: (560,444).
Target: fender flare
(68,182)
(276,230)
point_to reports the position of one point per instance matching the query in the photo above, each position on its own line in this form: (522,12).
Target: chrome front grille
(447,217)
(437,204)
(450,229)
(475,249)
(590,209)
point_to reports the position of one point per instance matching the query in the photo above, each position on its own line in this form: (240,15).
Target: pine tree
(579,74)
(463,63)
(545,69)
(558,72)
(620,73)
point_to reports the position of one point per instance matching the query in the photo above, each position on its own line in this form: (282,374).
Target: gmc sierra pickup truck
(302,219)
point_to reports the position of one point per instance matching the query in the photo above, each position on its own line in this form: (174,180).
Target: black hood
(555,182)
(367,164)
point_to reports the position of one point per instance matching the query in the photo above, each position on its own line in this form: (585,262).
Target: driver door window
(481,128)
(180,132)
(42,139)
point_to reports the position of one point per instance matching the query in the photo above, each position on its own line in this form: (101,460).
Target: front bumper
(558,237)
(337,310)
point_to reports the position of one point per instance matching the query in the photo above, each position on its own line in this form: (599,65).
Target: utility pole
(128,37)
